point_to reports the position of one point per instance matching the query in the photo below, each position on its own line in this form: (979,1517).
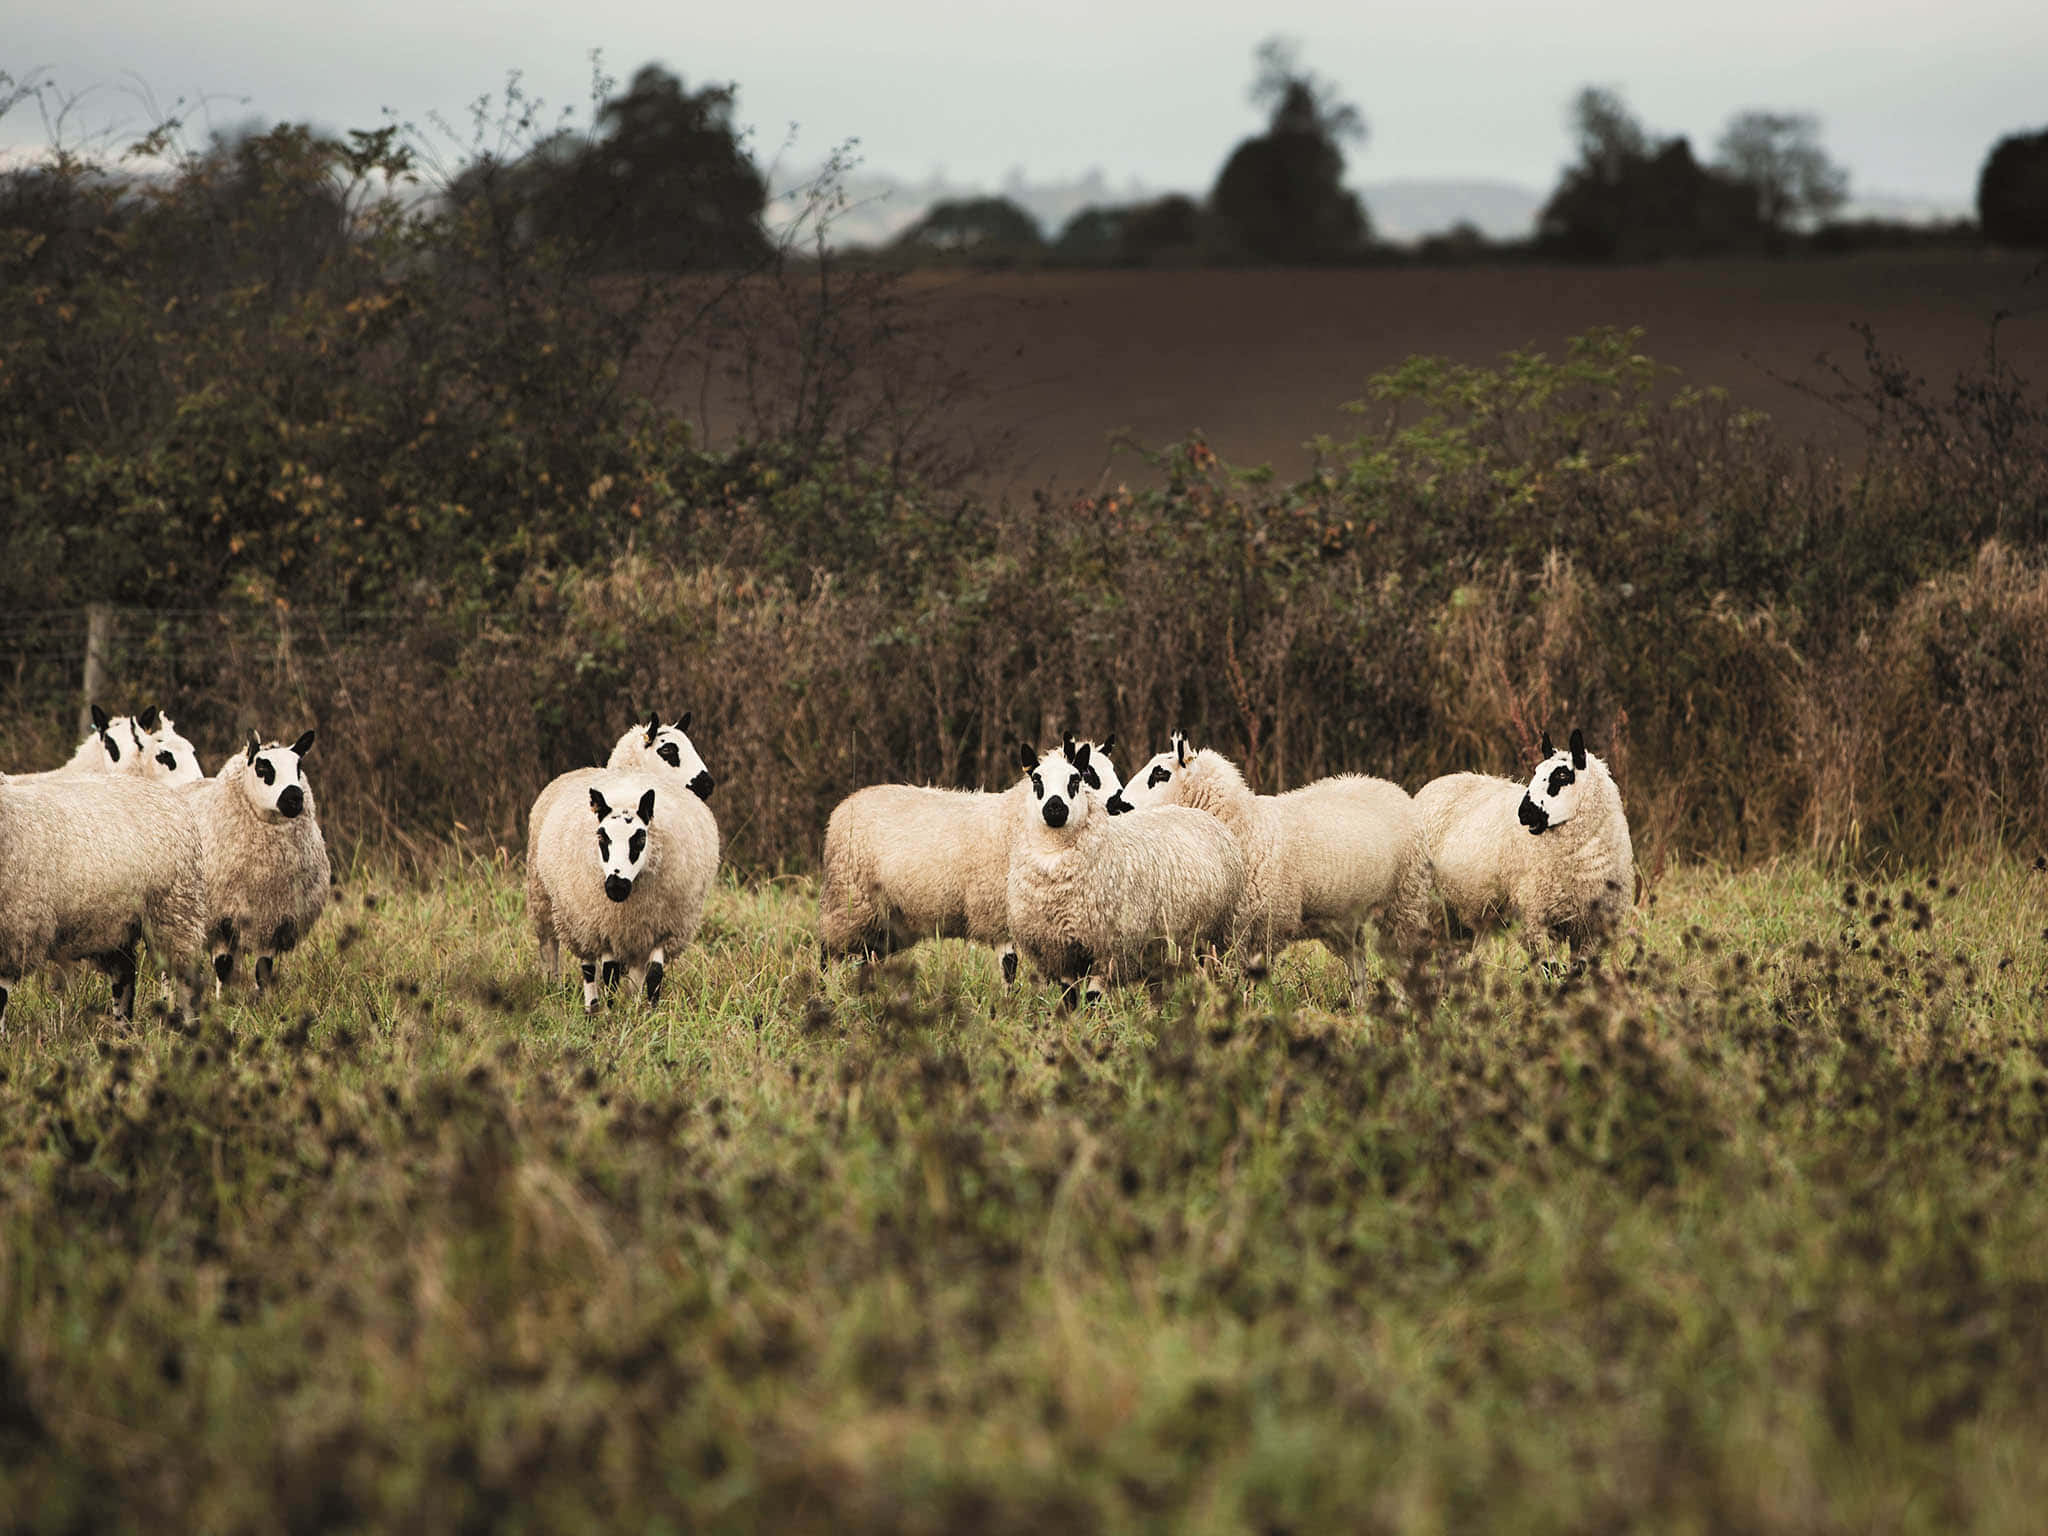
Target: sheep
(1092,897)
(906,862)
(1318,859)
(660,753)
(1554,853)
(627,889)
(264,859)
(89,866)
(148,746)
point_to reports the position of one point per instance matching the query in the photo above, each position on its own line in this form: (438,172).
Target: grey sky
(1911,92)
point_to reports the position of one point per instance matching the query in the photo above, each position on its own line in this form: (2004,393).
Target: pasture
(1749,1231)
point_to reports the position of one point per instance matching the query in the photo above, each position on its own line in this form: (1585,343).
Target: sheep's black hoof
(654,972)
(1010,969)
(591,1006)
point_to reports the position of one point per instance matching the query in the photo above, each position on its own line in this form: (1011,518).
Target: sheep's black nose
(618,887)
(702,785)
(292,801)
(1533,816)
(1055,813)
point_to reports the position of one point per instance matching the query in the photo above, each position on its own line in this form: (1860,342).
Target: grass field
(1749,1234)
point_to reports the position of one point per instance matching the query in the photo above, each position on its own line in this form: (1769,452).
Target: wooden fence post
(99,631)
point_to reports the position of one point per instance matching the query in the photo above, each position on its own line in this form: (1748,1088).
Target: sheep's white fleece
(904,862)
(266,877)
(88,863)
(667,904)
(1318,859)
(1575,881)
(1100,894)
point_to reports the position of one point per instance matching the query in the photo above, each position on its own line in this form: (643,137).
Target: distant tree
(1281,195)
(1778,156)
(1630,197)
(2012,191)
(663,183)
(1093,237)
(982,227)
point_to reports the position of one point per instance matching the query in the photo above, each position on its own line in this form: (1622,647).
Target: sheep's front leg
(266,972)
(611,971)
(1006,953)
(652,973)
(592,998)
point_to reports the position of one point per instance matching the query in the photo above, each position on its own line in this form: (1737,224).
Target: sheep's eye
(167,759)
(1094,781)
(264,771)
(604,843)
(671,754)
(1037,784)
(1559,778)
(634,844)
(1158,777)
(1073,785)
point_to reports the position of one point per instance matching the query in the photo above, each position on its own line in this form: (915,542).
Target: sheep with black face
(263,856)
(1553,852)
(1334,860)
(659,754)
(1096,898)
(623,877)
(908,862)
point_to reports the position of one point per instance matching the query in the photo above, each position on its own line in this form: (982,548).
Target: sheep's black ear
(1067,745)
(684,723)
(1108,742)
(148,718)
(304,744)
(1578,749)
(647,806)
(1026,756)
(255,746)
(1180,749)
(597,803)
(99,719)
(1548,749)
(653,728)
(1080,757)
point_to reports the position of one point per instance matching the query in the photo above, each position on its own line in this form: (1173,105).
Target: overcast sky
(1911,93)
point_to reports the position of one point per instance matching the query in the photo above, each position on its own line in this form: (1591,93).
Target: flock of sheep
(130,841)
(1093,880)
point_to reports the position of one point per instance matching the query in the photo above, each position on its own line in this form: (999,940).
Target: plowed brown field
(1262,360)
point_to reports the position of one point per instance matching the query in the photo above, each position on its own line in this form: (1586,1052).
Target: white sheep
(906,862)
(1094,897)
(624,875)
(661,754)
(264,858)
(91,865)
(1554,853)
(1319,860)
(147,745)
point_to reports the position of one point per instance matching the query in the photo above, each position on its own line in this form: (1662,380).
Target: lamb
(1095,897)
(905,862)
(1554,853)
(1318,860)
(662,754)
(91,865)
(627,889)
(264,859)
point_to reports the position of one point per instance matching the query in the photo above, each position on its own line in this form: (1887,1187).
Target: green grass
(1753,1236)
